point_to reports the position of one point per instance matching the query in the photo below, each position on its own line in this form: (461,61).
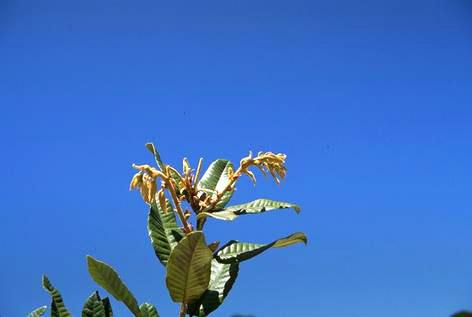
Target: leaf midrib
(188,271)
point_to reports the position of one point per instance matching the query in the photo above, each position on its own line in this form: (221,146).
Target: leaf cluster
(199,275)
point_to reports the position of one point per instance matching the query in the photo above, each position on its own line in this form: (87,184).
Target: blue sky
(370,100)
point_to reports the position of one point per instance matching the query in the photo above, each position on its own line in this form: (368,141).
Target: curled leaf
(235,251)
(257,206)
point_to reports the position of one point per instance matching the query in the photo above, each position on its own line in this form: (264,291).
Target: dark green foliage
(462,314)
(148,310)
(235,251)
(163,230)
(254,207)
(105,276)
(222,279)
(58,309)
(197,276)
(215,179)
(94,307)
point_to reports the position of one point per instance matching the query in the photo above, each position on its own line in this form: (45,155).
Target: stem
(176,200)
(200,224)
(182,310)
(180,212)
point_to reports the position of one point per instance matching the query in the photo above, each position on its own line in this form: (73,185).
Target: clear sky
(371,101)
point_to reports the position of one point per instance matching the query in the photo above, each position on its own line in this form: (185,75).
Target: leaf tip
(91,262)
(46,283)
(150,146)
(89,258)
(304,238)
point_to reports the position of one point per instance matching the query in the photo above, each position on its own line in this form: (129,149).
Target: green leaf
(179,188)
(235,251)
(105,276)
(215,179)
(148,310)
(254,207)
(150,146)
(57,307)
(222,279)
(188,268)
(163,231)
(107,306)
(38,312)
(54,311)
(94,307)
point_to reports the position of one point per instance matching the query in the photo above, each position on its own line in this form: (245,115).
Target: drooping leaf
(215,179)
(105,276)
(94,307)
(57,305)
(163,231)
(148,310)
(222,279)
(188,268)
(235,251)
(254,207)
(38,312)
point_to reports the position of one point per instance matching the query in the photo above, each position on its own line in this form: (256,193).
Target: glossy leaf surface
(188,268)
(235,251)
(105,276)
(163,230)
(222,279)
(57,306)
(254,207)
(94,307)
(215,180)
(148,310)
